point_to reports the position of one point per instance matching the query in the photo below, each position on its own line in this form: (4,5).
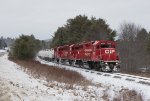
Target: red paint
(100,50)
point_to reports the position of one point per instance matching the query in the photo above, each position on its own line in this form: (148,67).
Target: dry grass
(128,95)
(51,73)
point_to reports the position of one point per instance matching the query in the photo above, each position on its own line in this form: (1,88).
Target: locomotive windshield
(103,45)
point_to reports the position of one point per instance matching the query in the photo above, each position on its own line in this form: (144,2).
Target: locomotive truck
(100,55)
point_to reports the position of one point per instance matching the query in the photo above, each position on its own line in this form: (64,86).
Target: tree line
(133,45)
(133,41)
(2,43)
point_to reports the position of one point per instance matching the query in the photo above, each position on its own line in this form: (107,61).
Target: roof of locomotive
(104,41)
(97,42)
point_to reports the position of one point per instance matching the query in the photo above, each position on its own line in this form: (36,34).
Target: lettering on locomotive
(109,51)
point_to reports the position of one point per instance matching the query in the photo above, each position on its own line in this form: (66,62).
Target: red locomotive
(99,55)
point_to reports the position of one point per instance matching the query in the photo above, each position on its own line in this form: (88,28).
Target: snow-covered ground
(2,51)
(16,85)
(115,84)
(47,53)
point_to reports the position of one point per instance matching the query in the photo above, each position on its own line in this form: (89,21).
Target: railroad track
(127,77)
(121,76)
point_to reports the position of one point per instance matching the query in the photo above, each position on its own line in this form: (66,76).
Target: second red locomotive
(99,55)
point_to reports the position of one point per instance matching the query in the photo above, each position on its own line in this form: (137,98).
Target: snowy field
(114,84)
(16,85)
(2,52)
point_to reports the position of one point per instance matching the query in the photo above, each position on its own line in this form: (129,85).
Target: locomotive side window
(81,47)
(76,48)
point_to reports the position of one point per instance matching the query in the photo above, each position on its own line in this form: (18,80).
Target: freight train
(100,55)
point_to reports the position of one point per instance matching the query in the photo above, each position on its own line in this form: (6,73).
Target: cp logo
(109,51)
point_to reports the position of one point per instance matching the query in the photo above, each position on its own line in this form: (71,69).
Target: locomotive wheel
(110,70)
(63,61)
(97,66)
(70,62)
(117,69)
(57,60)
(73,63)
(91,64)
(111,67)
(81,64)
(103,69)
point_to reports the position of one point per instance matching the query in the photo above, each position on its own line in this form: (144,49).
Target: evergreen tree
(148,43)
(81,29)
(2,43)
(25,47)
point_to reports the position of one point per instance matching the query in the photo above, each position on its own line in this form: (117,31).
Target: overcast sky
(42,17)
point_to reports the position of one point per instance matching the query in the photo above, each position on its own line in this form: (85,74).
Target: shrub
(25,47)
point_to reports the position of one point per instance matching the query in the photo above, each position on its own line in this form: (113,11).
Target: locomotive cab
(106,56)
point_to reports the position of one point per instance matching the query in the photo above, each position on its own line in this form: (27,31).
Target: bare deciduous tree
(131,45)
(128,31)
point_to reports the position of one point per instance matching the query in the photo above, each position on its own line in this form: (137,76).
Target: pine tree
(81,29)
(25,47)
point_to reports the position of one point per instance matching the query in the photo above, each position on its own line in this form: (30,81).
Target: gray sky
(42,17)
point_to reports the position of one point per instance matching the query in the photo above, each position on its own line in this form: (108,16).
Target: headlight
(106,63)
(116,63)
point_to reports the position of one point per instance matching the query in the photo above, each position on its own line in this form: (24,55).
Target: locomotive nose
(108,54)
